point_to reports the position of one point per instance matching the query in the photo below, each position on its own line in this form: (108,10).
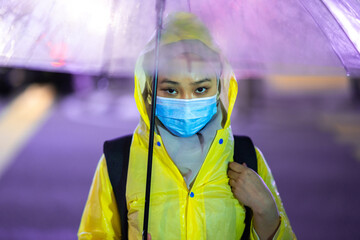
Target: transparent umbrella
(106,36)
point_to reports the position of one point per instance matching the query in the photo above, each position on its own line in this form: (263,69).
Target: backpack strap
(117,154)
(244,152)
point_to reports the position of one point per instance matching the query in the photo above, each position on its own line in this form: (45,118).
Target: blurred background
(66,86)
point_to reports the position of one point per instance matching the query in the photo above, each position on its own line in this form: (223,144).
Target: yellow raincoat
(206,211)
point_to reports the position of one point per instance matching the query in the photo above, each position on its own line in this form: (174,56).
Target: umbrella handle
(160,5)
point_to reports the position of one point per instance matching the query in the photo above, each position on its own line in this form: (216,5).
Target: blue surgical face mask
(185,117)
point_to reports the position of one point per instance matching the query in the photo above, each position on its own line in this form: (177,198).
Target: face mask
(185,117)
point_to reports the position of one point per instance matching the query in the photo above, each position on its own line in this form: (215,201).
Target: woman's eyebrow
(201,81)
(165,80)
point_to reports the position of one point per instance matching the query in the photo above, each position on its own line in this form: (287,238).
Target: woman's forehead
(187,64)
(193,52)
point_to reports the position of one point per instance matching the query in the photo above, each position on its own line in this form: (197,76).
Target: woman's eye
(171,91)
(201,90)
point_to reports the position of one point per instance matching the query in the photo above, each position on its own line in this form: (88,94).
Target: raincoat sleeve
(284,231)
(100,219)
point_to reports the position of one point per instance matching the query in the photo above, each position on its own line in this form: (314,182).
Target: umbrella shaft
(160,9)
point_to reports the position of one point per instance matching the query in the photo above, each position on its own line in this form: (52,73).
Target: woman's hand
(249,189)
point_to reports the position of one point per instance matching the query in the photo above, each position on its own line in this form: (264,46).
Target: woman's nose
(187,95)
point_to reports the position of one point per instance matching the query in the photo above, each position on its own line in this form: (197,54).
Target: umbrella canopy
(106,36)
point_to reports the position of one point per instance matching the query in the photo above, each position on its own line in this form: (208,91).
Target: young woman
(197,190)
